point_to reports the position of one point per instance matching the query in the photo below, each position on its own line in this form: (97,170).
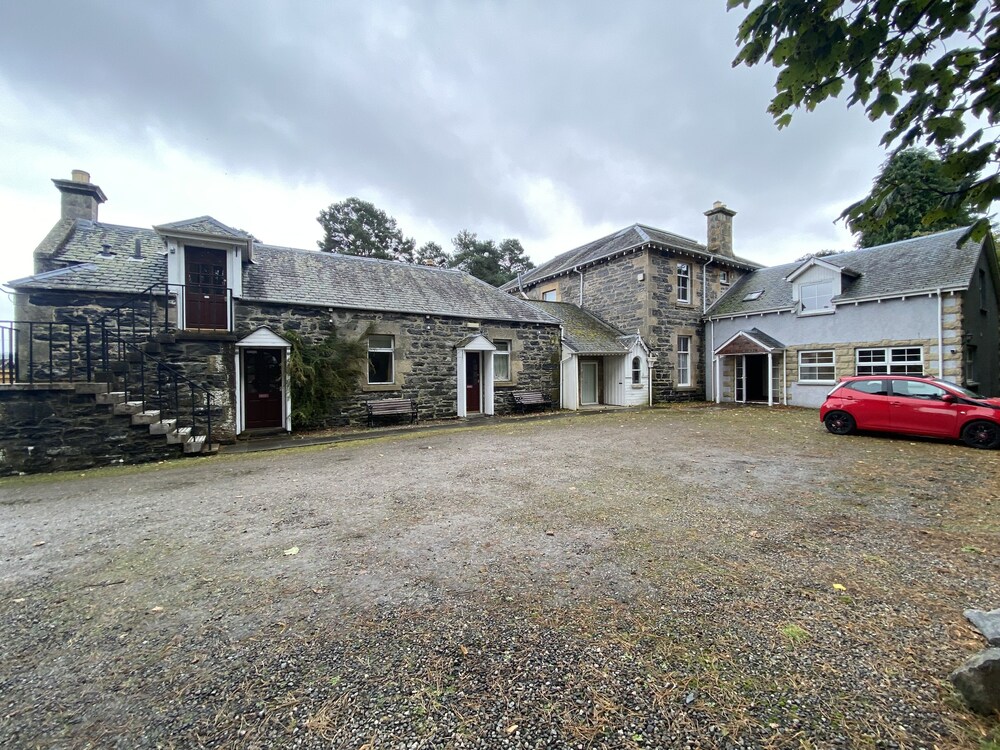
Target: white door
(588,383)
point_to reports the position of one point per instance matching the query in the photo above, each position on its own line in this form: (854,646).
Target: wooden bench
(523,400)
(391,407)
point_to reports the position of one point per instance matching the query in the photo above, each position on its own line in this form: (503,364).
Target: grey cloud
(631,108)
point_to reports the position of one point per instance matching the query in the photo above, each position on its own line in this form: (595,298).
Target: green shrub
(323,374)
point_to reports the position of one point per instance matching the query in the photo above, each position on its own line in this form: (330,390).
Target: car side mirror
(948,398)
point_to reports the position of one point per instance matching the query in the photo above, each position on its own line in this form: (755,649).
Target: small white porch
(749,367)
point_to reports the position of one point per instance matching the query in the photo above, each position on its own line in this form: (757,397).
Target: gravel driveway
(682,577)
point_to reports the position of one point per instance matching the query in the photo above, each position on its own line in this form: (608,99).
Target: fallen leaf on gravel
(465,650)
(549,532)
(839,587)
(38,544)
(19,601)
(291,551)
(511,729)
(156,609)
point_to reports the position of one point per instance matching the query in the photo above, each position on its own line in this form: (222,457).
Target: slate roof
(281,275)
(91,267)
(921,264)
(203,225)
(623,240)
(583,331)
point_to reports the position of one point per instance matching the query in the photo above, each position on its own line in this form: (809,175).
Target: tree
(357,227)
(485,259)
(910,184)
(432,254)
(818,254)
(932,67)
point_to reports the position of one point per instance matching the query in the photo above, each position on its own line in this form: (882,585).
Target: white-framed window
(817,366)
(636,371)
(683,282)
(683,360)
(816,297)
(501,360)
(380,359)
(724,278)
(550,295)
(897,360)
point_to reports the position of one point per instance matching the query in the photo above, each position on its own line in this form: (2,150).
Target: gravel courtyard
(683,577)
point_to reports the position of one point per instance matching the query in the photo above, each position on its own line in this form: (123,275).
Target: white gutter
(581,284)
(940,335)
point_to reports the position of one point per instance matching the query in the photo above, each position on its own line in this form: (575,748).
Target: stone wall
(56,429)
(425,366)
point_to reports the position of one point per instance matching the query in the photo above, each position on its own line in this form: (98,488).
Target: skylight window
(753,295)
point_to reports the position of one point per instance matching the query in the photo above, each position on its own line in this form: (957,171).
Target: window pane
(379,367)
(636,371)
(380,342)
(549,296)
(816,296)
(501,360)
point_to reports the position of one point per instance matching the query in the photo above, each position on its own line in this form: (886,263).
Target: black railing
(148,313)
(45,353)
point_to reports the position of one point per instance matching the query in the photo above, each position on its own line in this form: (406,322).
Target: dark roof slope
(583,331)
(623,240)
(202,225)
(282,275)
(311,277)
(920,264)
(91,266)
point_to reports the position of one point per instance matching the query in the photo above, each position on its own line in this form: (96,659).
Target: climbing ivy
(323,374)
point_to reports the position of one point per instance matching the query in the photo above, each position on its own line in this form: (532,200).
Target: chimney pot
(81,176)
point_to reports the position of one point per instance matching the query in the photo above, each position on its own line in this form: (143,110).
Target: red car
(914,406)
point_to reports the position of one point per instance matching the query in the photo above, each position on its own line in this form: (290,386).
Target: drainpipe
(710,365)
(581,284)
(940,335)
(562,334)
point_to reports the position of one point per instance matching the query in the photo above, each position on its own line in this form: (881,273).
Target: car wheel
(981,434)
(840,423)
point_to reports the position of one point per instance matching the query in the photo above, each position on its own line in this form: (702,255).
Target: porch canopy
(748,343)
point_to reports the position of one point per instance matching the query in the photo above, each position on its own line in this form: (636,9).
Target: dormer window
(816,297)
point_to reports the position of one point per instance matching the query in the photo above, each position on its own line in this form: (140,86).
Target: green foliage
(908,188)
(432,254)
(494,263)
(323,374)
(357,227)
(932,68)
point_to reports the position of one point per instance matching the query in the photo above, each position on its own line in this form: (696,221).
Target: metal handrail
(59,364)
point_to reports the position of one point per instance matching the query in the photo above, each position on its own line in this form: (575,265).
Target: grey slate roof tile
(283,275)
(583,331)
(622,240)
(909,266)
(204,225)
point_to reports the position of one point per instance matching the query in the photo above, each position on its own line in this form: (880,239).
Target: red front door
(262,388)
(473,367)
(205,291)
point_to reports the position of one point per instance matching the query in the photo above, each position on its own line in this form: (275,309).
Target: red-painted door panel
(916,407)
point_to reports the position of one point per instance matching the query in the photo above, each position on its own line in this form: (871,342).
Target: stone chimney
(720,229)
(80,198)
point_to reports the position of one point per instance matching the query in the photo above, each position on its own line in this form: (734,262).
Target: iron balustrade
(47,353)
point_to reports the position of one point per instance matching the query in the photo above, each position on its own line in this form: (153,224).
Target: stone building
(924,306)
(654,283)
(193,323)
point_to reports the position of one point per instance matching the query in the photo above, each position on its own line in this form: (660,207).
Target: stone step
(112,397)
(180,435)
(96,388)
(128,407)
(150,416)
(210,449)
(194,444)
(163,427)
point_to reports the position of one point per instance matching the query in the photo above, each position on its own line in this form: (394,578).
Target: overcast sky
(552,122)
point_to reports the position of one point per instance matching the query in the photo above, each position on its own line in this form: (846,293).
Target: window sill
(638,386)
(379,387)
(810,313)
